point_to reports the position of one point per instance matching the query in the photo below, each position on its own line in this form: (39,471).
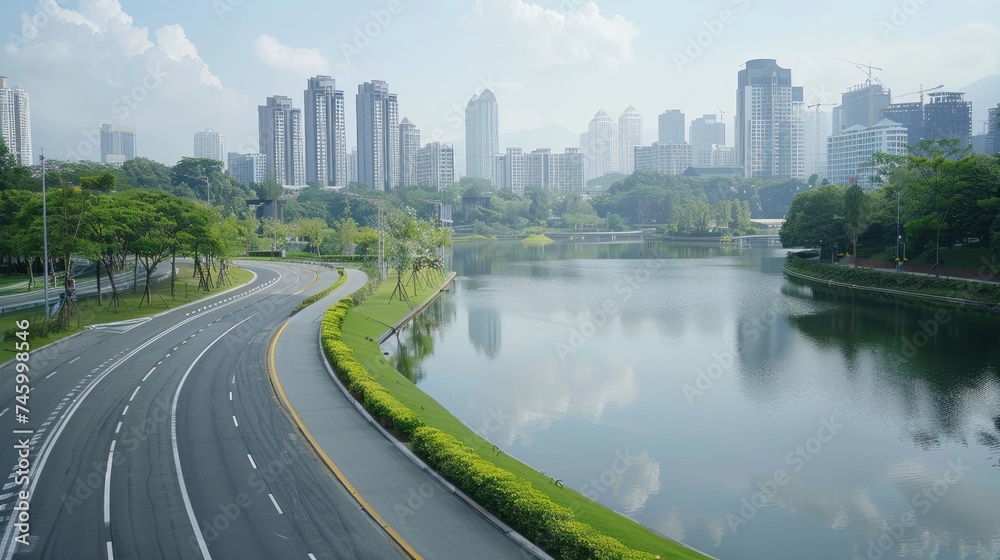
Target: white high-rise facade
(281,142)
(850,151)
(629,136)
(247,168)
(482,135)
(705,132)
(378,136)
(600,146)
(209,144)
(769,128)
(435,166)
(510,171)
(15,121)
(325,133)
(118,143)
(409,143)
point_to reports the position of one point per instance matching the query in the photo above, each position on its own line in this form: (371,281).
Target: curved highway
(141,433)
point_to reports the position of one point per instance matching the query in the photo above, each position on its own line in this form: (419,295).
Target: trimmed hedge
(376,399)
(916,283)
(316,297)
(512,499)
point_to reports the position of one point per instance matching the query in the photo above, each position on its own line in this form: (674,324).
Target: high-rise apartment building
(15,121)
(629,136)
(705,132)
(352,166)
(247,168)
(325,133)
(910,116)
(209,144)
(993,131)
(280,137)
(378,136)
(769,112)
(409,143)
(948,116)
(118,143)
(669,158)
(510,171)
(435,166)
(670,127)
(850,151)
(600,146)
(862,105)
(482,135)
(562,172)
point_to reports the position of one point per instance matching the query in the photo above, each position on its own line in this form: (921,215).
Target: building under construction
(946,116)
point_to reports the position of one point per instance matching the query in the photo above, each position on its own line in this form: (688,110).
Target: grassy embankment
(367,322)
(988,293)
(185,286)
(537,239)
(318,296)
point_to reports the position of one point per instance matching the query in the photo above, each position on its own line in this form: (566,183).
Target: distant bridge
(760,239)
(612,235)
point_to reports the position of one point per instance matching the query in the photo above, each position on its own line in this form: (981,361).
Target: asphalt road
(84,288)
(142,432)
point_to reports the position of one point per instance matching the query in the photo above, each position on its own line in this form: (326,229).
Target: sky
(174,68)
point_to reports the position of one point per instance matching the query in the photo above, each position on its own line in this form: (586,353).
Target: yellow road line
(276,384)
(310,285)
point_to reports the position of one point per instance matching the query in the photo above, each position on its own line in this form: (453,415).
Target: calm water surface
(698,391)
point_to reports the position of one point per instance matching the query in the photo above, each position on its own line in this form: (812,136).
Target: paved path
(429,520)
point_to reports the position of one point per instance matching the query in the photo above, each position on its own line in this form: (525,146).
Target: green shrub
(316,297)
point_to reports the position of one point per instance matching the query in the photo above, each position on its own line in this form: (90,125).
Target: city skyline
(155,57)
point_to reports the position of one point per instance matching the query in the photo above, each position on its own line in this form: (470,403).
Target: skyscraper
(769,134)
(482,135)
(325,133)
(862,104)
(118,143)
(993,130)
(670,129)
(510,171)
(409,143)
(435,166)
(669,158)
(378,136)
(705,132)
(15,121)
(247,168)
(600,146)
(850,150)
(948,116)
(352,166)
(280,128)
(209,144)
(562,172)
(910,115)
(629,136)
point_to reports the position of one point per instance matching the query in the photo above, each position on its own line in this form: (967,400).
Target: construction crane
(866,68)
(817,147)
(921,91)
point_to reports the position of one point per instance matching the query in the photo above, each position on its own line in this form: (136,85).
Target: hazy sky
(173,68)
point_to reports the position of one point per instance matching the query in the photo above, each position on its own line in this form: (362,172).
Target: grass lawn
(9,282)
(130,310)
(369,320)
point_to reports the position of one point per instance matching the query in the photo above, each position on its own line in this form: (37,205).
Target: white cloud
(558,38)
(176,45)
(299,61)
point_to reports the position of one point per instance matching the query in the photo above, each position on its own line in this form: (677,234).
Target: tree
(270,189)
(937,187)
(13,175)
(314,230)
(814,220)
(856,215)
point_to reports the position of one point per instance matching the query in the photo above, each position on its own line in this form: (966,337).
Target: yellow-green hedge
(512,499)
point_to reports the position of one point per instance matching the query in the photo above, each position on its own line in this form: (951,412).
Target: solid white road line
(275,502)
(107,492)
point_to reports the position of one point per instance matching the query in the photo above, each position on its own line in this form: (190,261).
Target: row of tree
(938,196)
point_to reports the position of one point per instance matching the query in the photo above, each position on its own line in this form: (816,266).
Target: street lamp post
(45,240)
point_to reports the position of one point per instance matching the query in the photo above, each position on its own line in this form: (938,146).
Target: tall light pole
(45,240)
